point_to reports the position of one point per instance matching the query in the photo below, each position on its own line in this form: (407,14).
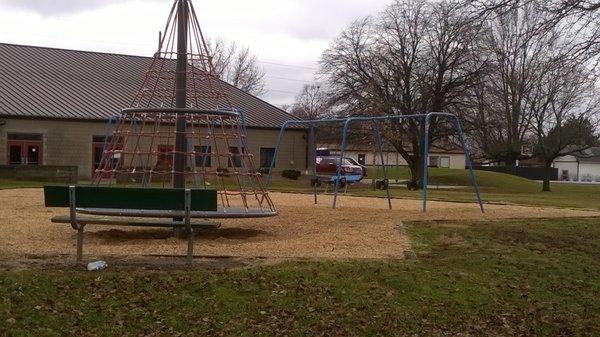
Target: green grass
(9,183)
(456,177)
(505,278)
(494,187)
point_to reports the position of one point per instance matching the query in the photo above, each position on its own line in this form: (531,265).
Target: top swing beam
(425,118)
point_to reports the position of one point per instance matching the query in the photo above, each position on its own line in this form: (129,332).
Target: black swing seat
(132,206)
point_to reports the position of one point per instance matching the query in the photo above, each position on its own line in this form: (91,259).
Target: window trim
(25,136)
(268,164)
(236,155)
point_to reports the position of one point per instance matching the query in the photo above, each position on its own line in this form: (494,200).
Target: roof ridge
(145,57)
(72,50)
(99,94)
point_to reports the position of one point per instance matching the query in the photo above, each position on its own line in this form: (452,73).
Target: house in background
(55,104)
(582,166)
(365,155)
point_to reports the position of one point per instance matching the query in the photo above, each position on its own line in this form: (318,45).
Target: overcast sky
(288,36)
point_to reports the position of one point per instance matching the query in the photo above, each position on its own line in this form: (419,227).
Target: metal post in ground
(468,161)
(312,159)
(425,160)
(385,173)
(338,175)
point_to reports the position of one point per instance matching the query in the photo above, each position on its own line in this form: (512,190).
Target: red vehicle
(327,167)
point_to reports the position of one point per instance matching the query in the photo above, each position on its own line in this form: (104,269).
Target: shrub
(291,174)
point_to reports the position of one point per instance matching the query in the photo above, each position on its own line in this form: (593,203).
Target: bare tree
(414,58)
(515,51)
(285,107)
(536,81)
(560,8)
(311,103)
(565,107)
(582,17)
(237,66)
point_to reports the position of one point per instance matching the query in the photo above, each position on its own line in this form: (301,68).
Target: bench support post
(74,224)
(80,243)
(188,226)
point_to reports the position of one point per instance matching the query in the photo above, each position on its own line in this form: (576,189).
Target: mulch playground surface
(359,228)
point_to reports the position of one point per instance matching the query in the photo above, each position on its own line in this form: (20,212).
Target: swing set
(375,123)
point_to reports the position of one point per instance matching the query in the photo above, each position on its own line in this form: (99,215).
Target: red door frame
(24,145)
(101,145)
(94,164)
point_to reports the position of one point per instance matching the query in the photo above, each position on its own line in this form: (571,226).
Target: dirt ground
(359,228)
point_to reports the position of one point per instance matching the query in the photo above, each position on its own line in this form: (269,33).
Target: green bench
(125,206)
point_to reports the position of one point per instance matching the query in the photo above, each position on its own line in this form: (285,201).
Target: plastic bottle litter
(97,265)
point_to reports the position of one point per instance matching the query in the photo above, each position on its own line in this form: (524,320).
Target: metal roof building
(52,96)
(40,82)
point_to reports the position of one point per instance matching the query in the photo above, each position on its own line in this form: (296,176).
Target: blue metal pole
(313,157)
(385,175)
(346,121)
(279,138)
(339,168)
(425,160)
(468,161)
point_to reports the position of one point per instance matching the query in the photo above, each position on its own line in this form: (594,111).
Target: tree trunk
(375,167)
(511,162)
(416,175)
(547,172)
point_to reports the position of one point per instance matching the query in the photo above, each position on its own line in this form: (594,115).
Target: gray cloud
(288,34)
(59,7)
(317,19)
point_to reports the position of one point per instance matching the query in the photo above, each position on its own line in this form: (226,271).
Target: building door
(99,143)
(15,153)
(97,153)
(564,175)
(24,149)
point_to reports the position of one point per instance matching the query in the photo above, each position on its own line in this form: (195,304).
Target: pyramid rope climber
(181,129)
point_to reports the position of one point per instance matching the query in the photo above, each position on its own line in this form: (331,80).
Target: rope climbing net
(182,130)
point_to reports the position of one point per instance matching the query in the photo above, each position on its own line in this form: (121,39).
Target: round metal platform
(229,212)
(181,111)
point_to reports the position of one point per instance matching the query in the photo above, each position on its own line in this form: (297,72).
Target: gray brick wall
(70,143)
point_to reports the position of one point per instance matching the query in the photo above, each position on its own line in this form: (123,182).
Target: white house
(365,155)
(582,166)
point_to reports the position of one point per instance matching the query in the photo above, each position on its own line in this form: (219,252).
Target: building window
(434,161)
(439,161)
(362,158)
(24,149)
(202,156)
(24,136)
(266,156)
(444,162)
(101,139)
(164,158)
(236,158)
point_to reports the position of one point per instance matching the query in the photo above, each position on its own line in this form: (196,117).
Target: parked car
(327,167)
(354,162)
